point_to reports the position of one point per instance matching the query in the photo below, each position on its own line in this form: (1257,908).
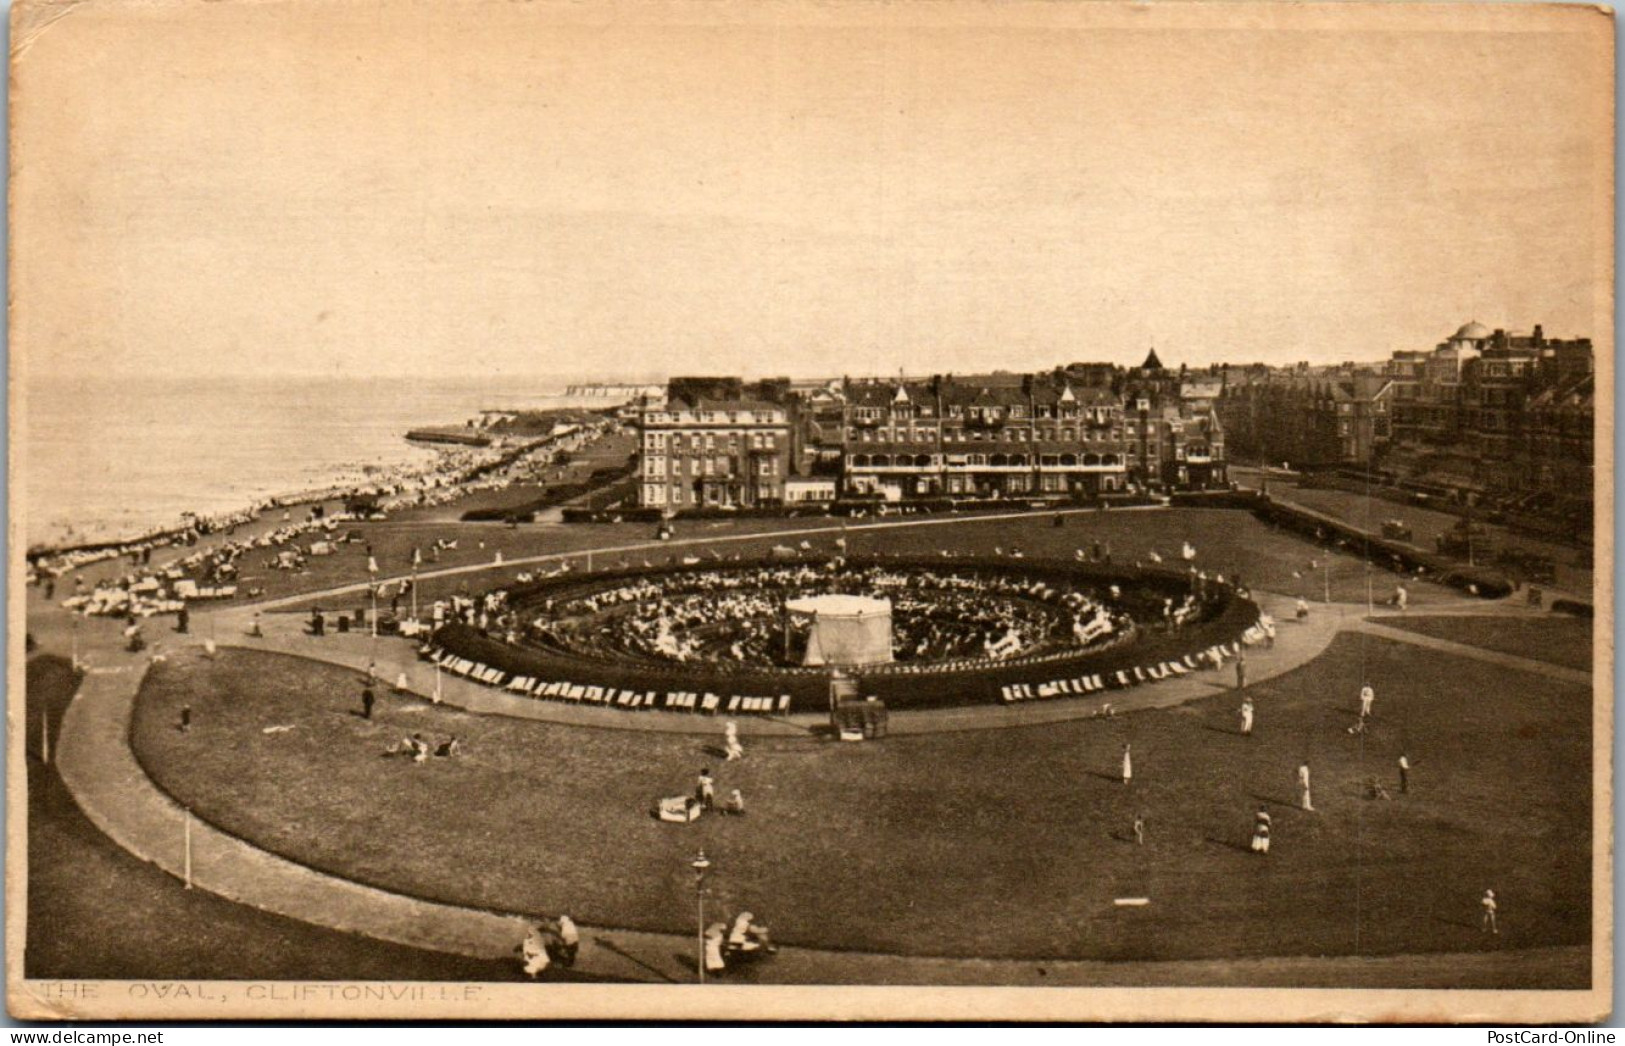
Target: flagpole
(372,588)
(186,814)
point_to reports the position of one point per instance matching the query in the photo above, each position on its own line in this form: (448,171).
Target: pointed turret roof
(1151,362)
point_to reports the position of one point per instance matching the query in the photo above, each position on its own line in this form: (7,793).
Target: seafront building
(711,445)
(1080,431)
(1491,416)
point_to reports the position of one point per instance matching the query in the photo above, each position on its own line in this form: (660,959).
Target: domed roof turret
(1473,331)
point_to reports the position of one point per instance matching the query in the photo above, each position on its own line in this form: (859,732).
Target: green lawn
(997,843)
(1227,540)
(1556,638)
(95,911)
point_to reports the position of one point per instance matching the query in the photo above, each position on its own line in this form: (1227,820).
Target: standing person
(1128,764)
(183,619)
(1368,697)
(254,626)
(1241,669)
(1401,597)
(367,699)
(1488,904)
(730,740)
(1261,831)
(705,789)
(185,724)
(1303,785)
(1247,717)
(372,672)
(1404,775)
(1303,608)
(1139,829)
(569,940)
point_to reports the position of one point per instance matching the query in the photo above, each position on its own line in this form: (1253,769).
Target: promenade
(94,759)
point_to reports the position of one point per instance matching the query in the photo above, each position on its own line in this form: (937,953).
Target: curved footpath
(1296,643)
(94,758)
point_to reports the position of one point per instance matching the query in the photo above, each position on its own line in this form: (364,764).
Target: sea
(110,457)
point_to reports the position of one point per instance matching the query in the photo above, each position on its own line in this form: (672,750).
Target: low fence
(862,507)
(1227,622)
(1478,581)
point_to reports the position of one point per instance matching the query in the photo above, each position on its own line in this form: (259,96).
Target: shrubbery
(1226,620)
(1482,581)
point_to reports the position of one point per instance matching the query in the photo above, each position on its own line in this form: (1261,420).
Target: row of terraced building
(1075,432)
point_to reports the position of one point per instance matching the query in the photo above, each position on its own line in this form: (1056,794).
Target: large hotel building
(710,453)
(1081,431)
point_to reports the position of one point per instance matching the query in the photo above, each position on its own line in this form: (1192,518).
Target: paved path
(704,542)
(1297,643)
(1494,657)
(95,761)
(102,774)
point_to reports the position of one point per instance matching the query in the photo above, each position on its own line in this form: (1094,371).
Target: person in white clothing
(1488,904)
(1368,696)
(1128,764)
(730,734)
(1247,717)
(714,963)
(569,940)
(534,952)
(1303,785)
(1261,832)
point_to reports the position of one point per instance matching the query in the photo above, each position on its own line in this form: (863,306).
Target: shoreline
(506,449)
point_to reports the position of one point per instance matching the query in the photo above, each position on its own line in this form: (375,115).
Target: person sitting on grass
(734,805)
(447,749)
(749,936)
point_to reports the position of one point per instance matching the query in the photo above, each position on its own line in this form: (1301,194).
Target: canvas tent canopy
(846,630)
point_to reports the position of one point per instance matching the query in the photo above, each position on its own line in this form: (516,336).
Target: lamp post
(701,864)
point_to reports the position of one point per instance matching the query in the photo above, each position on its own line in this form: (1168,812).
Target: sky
(617,190)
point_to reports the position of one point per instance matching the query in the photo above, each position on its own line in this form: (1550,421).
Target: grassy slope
(94,911)
(1226,540)
(1556,638)
(920,844)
